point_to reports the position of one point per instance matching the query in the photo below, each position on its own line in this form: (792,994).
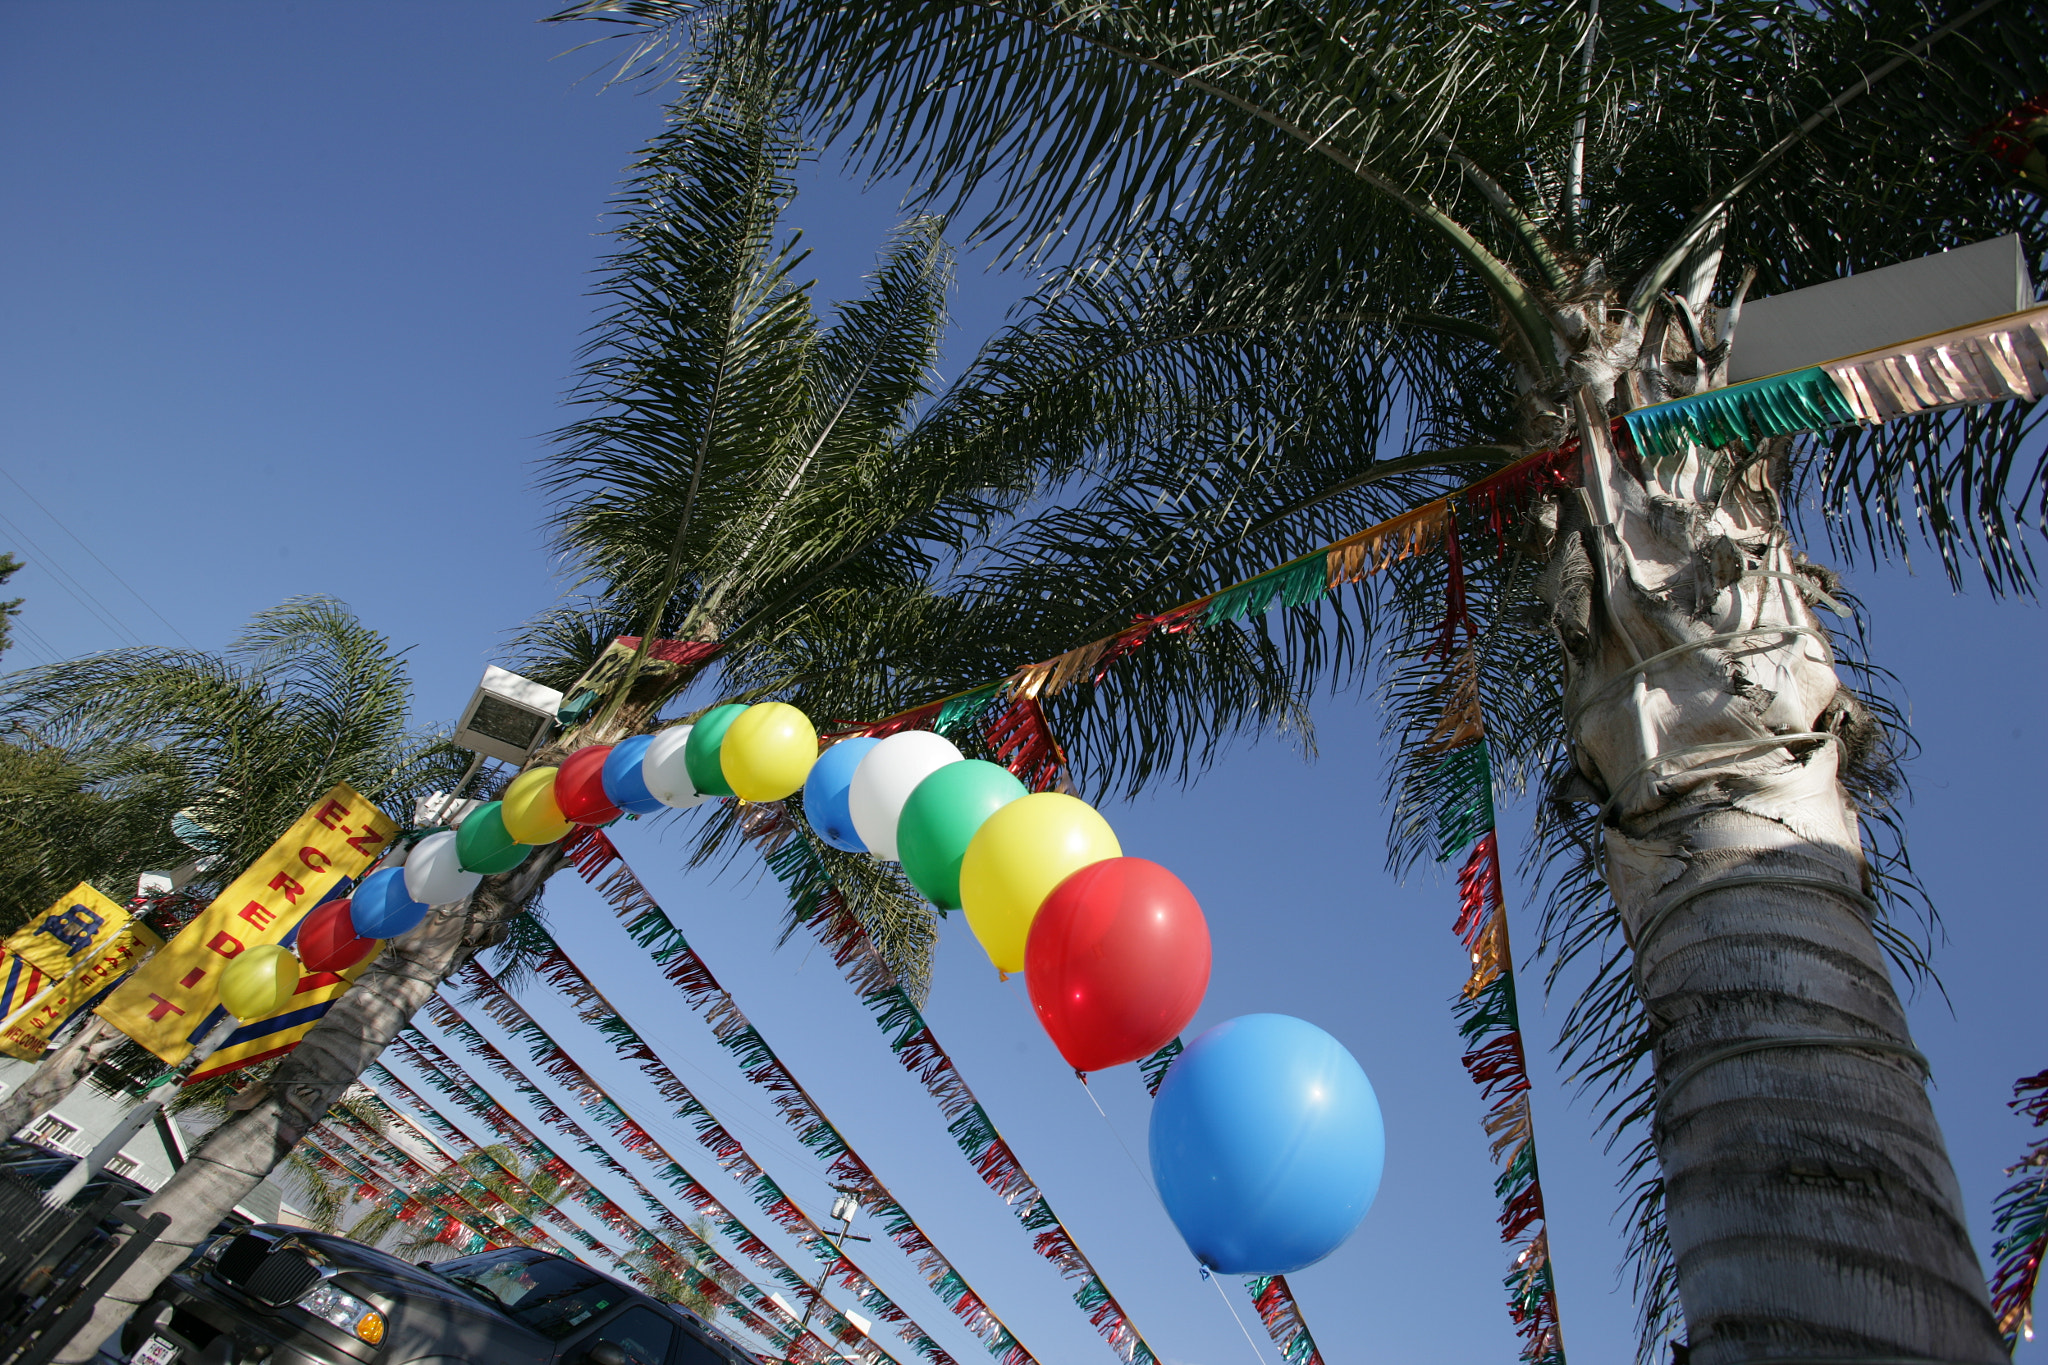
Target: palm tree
(796,500)
(140,758)
(1538,217)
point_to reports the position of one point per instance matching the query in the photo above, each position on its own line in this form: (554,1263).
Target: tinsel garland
(1460,788)
(505,1125)
(732,1156)
(2021,1222)
(1777,405)
(910,1039)
(722,1284)
(805,1117)
(1982,363)
(434,1208)
(558,1065)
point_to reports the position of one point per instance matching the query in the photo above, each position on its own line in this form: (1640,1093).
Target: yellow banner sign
(261,1039)
(67,934)
(169,1003)
(58,962)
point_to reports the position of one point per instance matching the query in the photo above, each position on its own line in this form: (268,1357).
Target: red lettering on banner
(192,978)
(314,858)
(283,882)
(330,816)
(366,842)
(161,1008)
(224,943)
(258,914)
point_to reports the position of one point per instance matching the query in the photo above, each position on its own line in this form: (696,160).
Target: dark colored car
(286,1296)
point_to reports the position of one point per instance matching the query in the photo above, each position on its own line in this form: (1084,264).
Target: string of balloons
(1267,1142)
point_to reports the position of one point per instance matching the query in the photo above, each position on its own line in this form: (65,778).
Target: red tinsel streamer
(1023,743)
(922,1055)
(2004,139)
(1479,889)
(1497,499)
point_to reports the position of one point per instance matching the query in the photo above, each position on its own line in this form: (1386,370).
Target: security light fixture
(508,717)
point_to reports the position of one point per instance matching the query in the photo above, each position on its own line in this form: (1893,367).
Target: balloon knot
(1204,1269)
(1080,1075)
(1002,975)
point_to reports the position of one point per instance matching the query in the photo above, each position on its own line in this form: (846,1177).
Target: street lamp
(507,719)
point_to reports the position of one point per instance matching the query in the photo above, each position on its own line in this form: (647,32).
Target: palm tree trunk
(58,1076)
(1812,1209)
(236,1156)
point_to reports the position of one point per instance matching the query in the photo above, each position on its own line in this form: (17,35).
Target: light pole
(845,1208)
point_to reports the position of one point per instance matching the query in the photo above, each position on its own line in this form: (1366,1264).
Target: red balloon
(579,787)
(328,941)
(1117,962)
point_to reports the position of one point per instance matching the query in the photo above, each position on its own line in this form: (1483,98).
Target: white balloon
(884,780)
(434,874)
(661,767)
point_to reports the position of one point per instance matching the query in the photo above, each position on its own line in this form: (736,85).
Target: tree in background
(153,758)
(1541,216)
(9,566)
(795,499)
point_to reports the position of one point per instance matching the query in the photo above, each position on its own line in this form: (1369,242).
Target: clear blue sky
(291,292)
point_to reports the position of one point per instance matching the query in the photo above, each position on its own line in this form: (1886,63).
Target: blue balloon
(381,909)
(825,793)
(1266,1145)
(625,786)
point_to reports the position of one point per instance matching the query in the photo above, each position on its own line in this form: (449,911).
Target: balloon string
(1146,1179)
(1233,1315)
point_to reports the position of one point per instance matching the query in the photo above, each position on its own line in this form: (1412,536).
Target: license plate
(156,1351)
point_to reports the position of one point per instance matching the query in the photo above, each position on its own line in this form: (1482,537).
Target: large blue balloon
(1266,1145)
(381,909)
(825,793)
(625,786)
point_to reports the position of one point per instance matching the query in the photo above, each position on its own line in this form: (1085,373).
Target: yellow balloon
(768,751)
(1015,860)
(259,982)
(529,810)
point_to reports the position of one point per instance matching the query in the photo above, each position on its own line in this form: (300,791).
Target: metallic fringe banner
(1460,788)
(719,1281)
(558,1065)
(731,1155)
(820,906)
(2021,1222)
(805,1117)
(506,1126)
(1983,363)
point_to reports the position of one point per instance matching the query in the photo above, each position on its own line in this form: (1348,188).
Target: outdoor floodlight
(508,717)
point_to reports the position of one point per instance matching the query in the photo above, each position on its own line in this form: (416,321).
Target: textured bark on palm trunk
(236,1156)
(57,1076)
(1811,1205)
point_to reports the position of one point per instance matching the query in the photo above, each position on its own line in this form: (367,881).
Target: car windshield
(551,1296)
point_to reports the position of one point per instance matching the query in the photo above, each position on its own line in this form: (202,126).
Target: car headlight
(345,1311)
(214,1249)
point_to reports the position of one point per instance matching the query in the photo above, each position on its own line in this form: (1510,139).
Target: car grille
(271,1275)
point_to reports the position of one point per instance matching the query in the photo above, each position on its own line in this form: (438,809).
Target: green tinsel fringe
(964,711)
(1296,585)
(1803,400)
(1491,1011)
(1461,789)
(1155,1067)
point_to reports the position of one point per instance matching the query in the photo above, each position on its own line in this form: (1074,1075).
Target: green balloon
(483,844)
(700,751)
(941,815)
